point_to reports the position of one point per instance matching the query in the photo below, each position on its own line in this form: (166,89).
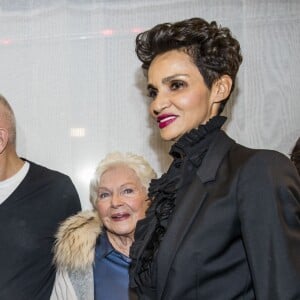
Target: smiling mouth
(164,121)
(120,217)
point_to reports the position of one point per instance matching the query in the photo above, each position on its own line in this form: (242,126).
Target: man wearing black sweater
(33,201)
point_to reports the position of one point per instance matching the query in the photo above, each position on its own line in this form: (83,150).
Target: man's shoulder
(39,171)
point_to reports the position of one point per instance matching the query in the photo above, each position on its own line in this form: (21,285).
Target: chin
(168,136)
(171,138)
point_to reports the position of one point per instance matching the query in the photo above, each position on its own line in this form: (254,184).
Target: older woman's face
(180,99)
(122,200)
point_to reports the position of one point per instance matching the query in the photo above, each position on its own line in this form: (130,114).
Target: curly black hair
(212,48)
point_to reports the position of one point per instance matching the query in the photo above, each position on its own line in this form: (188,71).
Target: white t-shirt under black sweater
(10,184)
(29,218)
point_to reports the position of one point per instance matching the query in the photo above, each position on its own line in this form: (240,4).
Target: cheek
(102,210)
(194,101)
(151,109)
(196,106)
(140,208)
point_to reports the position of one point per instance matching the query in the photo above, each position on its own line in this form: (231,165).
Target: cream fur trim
(74,247)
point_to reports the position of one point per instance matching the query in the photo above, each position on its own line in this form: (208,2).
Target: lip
(120,216)
(165,120)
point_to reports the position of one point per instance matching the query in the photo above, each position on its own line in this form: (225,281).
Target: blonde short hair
(137,163)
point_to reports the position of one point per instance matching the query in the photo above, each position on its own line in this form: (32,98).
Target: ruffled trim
(163,193)
(189,140)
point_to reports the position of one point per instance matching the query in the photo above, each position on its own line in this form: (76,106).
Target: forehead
(170,63)
(117,175)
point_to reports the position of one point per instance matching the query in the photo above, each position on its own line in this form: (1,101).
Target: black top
(187,154)
(29,218)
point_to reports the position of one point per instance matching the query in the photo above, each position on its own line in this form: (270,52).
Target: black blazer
(236,232)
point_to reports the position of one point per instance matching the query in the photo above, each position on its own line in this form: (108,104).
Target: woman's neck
(120,243)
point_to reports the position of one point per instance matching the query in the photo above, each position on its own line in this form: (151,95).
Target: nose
(160,103)
(116,201)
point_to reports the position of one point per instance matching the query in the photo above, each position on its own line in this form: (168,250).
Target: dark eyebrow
(166,80)
(150,87)
(170,78)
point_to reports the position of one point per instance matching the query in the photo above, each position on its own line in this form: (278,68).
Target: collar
(106,248)
(185,145)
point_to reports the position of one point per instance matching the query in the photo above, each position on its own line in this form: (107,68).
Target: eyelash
(128,191)
(152,93)
(174,85)
(103,195)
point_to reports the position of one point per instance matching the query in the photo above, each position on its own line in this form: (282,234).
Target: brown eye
(152,93)
(178,84)
(128,191)
(103,195)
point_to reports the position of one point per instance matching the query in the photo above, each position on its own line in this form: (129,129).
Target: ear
(220,91)
(221,88)
(3,139)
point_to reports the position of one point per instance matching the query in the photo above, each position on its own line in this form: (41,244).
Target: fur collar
(74,247)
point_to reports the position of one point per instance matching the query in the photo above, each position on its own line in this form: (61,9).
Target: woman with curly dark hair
(224,221)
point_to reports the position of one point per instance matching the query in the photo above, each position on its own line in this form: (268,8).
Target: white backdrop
(70,72)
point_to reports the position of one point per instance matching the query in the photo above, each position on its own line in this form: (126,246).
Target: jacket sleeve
(268,195)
